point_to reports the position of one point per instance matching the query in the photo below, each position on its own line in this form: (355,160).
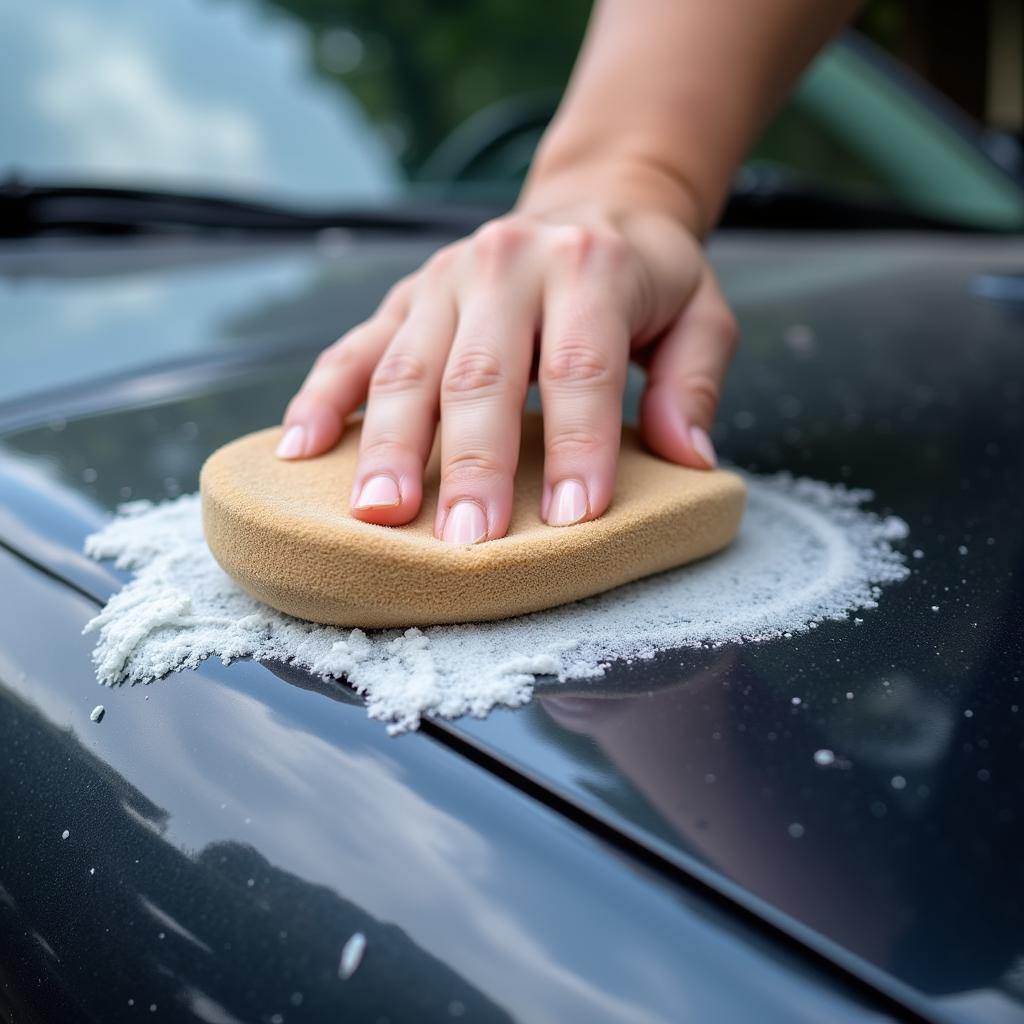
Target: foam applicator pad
(282,530)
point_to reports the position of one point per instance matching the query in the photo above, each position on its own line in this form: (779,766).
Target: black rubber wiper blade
(30,211)
(782,202)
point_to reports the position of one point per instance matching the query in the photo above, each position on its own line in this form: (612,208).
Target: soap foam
(807,552)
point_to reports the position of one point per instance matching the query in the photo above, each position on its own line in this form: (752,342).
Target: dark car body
(659,844)
(620,850)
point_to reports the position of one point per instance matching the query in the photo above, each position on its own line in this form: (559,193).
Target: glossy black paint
(207,849)
(865,359)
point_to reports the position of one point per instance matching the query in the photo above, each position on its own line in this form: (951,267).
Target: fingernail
(703,447)
(378,492)
(568,503)
(292,444)
(465,523)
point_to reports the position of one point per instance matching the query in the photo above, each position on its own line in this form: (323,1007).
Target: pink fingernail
(569,503)
(378,492)
(465,523)
(703,447)
(292,444)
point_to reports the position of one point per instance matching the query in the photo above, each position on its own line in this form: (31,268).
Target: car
(241,843)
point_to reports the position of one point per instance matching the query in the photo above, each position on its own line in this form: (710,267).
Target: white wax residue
(807,552)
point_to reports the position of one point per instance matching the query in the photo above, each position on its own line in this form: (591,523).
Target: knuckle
(576,361)
(578,245)
(394,301)
(573,444)
(729,329)
(702,389)
(399,371)
(381,449)
(470,466)
(339,355)
(472,372)
(441,262)
(574,243)
(498,241)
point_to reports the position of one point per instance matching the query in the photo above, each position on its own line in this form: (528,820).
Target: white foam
(807,552)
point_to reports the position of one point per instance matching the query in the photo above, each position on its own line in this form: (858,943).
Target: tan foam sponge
(283,531)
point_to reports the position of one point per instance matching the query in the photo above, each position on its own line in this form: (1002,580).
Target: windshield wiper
(773,198)
(766,200)
(30,211)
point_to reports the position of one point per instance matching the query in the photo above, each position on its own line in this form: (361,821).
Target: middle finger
(482,396)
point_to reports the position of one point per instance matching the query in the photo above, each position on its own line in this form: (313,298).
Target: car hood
(881,361)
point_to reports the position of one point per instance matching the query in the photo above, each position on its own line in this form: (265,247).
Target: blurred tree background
(421,67)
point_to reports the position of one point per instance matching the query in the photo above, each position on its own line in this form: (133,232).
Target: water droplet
(796,830)
(918,553)
(65,834)
(898,782)
(795,701)
(800,339)
(351,956)
(824,758)
(968,713)
(97,713)
(849,694)
(250,882)
(935,607)
(962,549)
(89,475)
(92,871)
(456,1008)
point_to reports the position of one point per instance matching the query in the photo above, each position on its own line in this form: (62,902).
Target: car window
(850,128)
(359,102)
(199,95)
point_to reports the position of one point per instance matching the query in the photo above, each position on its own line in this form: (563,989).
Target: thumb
(684,378)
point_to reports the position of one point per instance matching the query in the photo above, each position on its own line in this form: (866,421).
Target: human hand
(456,340)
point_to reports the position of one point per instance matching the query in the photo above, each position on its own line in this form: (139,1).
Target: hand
(458,336)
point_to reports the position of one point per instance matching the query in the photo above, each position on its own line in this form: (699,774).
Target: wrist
(615,189)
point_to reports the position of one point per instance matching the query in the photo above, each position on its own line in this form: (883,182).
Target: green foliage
(421,67)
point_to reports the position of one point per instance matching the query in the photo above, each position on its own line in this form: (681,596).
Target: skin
(600,261)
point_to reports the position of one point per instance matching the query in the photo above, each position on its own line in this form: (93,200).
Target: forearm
(667,96)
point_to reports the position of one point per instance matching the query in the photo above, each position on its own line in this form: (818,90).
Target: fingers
(584,354)
(401,414)
(684,379)
(484,387)
(337,383)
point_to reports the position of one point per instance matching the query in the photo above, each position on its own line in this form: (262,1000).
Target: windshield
(362,103)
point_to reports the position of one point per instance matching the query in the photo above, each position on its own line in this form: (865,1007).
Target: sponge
(282,530)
